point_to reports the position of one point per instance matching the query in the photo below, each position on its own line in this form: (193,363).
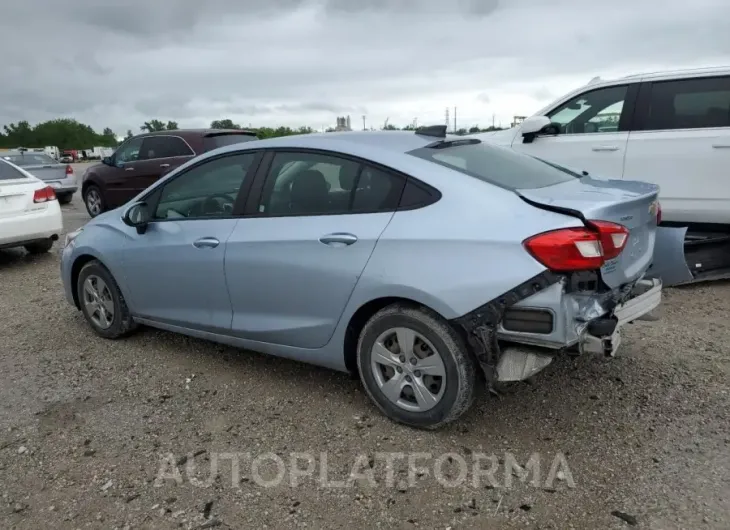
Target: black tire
(122,323)
(460,368)
(39,247)
(64,198)
(94,189)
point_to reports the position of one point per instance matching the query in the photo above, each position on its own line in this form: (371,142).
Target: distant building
(517,120)
(343,123)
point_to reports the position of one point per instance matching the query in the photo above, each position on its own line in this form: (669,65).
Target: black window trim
(643,104)
(627,111)
(147,137)
(256,193)
(152,197)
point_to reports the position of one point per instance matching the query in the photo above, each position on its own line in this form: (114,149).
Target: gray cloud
(119,63)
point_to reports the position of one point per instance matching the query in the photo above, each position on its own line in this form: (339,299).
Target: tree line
(66,133)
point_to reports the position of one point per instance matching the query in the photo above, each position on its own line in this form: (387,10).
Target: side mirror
(107,160)
(534,124)
(138,216)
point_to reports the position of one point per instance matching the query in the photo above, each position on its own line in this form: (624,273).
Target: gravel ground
(90,429)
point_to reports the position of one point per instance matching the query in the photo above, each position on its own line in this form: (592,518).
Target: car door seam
(362,271)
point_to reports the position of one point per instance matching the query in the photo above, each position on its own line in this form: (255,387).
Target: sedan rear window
(30,159)
(214,141)
(496,165)
(8,172)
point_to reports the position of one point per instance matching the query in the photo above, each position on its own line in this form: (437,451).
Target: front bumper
(66,261)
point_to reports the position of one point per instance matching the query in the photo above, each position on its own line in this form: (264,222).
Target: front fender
(101,242)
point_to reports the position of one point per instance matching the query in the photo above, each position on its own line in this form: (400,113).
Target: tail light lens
(578,249)
(658,213)
(44,195)
(69,170)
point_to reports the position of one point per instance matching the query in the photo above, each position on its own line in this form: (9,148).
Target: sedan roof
(396,141)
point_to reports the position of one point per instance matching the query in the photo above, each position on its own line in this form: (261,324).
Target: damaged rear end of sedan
(595,277)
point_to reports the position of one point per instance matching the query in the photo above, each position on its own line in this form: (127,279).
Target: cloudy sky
(118,63)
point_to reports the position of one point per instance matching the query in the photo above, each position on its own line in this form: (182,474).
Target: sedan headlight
(71,236)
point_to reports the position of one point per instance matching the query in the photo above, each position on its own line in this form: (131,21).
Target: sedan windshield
(495,165)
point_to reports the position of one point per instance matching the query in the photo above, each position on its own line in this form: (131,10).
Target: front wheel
(102,302)
(415,367)
(94,201)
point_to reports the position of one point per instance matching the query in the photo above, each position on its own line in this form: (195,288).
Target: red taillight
(69,170)
(44,195)
(577,249)
(658,213)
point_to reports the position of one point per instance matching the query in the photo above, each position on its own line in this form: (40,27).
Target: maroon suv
(144,159)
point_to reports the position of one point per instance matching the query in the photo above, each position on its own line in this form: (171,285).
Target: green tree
(224,124)
(20,133)
(153,125)
(172,126)
(64,133)
(130,134)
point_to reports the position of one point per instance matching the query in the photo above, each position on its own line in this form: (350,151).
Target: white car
(30,215)
(668,128)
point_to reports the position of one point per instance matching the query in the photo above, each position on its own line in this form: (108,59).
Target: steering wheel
(213,204)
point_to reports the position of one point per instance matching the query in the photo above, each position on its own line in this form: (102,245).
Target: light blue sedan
(425,262)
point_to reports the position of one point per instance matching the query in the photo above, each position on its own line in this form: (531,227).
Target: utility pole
(363,122)
(448,122)
(493,116)
(455,129)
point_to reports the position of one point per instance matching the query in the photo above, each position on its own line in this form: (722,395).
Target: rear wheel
(415,367)
(94,201)
(102,302)
(64,198)
(39,247)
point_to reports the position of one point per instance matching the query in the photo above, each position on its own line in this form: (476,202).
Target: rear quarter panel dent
(459,253)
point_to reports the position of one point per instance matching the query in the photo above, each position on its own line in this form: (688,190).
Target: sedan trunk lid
(47,172)
(628,203)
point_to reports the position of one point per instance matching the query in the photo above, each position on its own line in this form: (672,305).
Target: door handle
(605,148)
(164,165)
(341,238)
(206,242)
(721,146)
(128,169)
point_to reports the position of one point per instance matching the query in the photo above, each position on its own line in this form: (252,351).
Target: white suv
(669,128)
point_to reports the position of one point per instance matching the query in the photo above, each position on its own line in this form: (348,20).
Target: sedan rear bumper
(557,318)
(67,185)
(29,227)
